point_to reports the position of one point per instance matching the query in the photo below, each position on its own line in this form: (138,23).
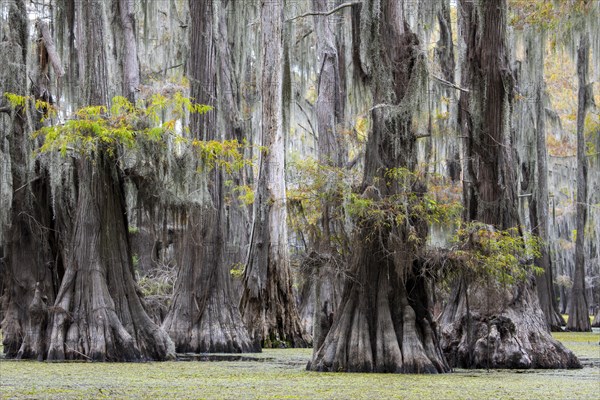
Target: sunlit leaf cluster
(122,124)
(504,256)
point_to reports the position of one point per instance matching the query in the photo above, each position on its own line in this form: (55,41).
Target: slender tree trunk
(322,276)
(579,319)
(98,313)
(540,203)
(268,304)
(384,323)
(203,316)
(502,327)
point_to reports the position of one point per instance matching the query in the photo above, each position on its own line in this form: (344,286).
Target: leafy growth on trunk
(504,256)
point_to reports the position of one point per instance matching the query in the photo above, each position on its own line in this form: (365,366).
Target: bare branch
(452,85)
(50,48)
(325,13)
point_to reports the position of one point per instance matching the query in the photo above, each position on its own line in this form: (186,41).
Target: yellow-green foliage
(123,124)
(245,194)
(227,154)
(16,101)
(99,128)
(505,255)
(321,184)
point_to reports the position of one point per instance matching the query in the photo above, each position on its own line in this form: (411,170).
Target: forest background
(424,150)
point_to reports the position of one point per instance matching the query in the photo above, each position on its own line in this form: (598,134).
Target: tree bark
(579,318)
(322,274)
(98,313)
(540,203)
(27,270)
(384,323)
(268,305)
(131,66)
(203,316)
(503,327)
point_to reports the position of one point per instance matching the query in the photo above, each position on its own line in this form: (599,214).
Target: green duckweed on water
(281,374)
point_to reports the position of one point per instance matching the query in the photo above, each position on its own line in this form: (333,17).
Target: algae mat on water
(280,374)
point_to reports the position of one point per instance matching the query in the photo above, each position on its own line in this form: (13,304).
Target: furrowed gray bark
(383,323)
(131,66)
(98,313)
(579,319)
(28,262)
(490,325)
(268,305)
(204,316)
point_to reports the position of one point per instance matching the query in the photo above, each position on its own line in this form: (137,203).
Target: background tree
(267,303)
(579,318)
(321,292)
(29,263)
(203,316)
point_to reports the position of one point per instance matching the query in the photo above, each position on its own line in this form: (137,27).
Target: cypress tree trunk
(540,203)
(28,264)
(490,325)
(579,319)
(203,316)
(384,323)
(268,305)
(98,313)
(323,279)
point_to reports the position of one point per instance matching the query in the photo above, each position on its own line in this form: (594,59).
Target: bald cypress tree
(492,325)
(98,313)
(383,323)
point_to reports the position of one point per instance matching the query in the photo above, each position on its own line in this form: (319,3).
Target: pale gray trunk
(130,64)
(267,303)
(579,319)
(540,217)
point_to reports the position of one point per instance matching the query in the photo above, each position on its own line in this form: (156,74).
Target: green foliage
(502,255)
(407,204)
(46,109)
(237,270)
(123,124)
(245,194)
(135,260)
(316,184)
(227,154)
(15,100)
(322,185)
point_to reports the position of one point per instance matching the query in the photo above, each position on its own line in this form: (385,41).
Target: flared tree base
(503,329)
(383,324)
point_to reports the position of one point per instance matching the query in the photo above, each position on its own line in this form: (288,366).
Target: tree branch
(325,13)
(452,85)
(50,47)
